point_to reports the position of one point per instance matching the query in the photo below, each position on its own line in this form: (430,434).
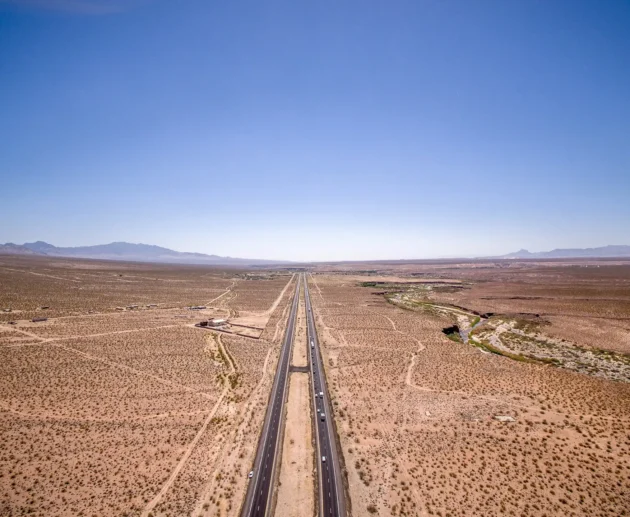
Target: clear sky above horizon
(322,130)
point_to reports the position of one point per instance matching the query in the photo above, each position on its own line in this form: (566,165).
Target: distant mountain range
(603,252)
(128,252)
(148,253)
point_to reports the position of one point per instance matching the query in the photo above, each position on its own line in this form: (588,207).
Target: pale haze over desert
(324,259)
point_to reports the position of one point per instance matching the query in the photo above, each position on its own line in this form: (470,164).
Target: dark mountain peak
(40,246)
(522,253)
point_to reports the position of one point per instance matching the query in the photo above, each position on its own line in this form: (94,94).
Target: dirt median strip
(299,357)
(296,490)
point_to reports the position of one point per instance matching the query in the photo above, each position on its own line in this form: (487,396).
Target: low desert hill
(16,249)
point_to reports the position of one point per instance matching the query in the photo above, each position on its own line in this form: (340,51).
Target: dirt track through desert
(192,444)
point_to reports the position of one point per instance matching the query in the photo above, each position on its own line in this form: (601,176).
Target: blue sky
(316,130)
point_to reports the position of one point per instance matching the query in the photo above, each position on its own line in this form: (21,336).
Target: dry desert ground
(528,414)
(116,404)
(483,388)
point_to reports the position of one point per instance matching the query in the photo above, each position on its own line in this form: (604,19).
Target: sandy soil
(299,356)
(106,412)
(296,488)
(422,418)
(611,334)
(248,323)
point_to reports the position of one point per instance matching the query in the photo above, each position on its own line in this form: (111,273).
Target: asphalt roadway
(259,492)
(331,496)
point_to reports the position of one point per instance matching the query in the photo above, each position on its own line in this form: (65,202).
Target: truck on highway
(322,417)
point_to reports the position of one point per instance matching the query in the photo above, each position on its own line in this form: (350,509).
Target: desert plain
(117,404)
(482,388)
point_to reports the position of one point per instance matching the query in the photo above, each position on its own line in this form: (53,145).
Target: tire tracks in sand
(191,446)
(236,439)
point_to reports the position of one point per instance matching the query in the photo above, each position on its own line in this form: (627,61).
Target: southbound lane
(331,496)
(258,498)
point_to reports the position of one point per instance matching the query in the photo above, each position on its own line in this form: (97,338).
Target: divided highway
(259,492)
(331,496)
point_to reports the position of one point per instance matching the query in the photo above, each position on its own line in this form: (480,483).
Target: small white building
(216,322)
